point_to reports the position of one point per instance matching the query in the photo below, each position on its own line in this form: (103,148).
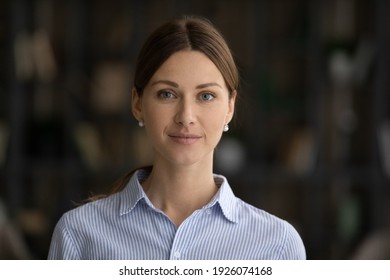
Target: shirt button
(177,254)
(208,211)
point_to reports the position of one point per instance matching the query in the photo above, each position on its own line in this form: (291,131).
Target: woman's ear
(232,103)
(136,104)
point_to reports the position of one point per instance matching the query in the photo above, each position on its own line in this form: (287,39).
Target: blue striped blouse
(126,225)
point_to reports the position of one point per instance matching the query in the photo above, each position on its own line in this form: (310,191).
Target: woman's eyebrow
(167,82)
(173,84)
(208,85)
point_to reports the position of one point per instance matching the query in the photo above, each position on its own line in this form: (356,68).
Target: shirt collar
(225,198)
(133,192)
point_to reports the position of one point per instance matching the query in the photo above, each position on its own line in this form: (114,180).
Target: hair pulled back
(185,33)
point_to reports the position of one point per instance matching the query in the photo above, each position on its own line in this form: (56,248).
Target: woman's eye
(166,94)
(207,96)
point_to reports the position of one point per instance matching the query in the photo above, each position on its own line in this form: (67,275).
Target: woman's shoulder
(255,212)
(107,207)
(92,211)
(247,213)
(276,229)
(265,219)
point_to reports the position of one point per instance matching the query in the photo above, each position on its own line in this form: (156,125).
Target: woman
(185,87)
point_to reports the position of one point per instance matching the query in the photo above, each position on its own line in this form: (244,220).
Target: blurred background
(310,141)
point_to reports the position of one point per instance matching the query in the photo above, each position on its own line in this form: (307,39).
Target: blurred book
(111,88)
(301,154)
(34,56)
(88,144)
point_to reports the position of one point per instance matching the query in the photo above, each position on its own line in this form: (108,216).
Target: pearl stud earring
(226,127)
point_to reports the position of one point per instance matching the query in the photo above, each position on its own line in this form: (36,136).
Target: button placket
(184,236)
(177,255)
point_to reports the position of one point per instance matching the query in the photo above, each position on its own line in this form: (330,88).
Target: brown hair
(184,33)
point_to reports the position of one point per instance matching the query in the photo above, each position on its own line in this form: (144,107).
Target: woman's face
(184,108)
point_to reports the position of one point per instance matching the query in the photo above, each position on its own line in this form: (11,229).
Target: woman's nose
(185,115)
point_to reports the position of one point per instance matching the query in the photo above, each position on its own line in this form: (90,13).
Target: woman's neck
(179,191)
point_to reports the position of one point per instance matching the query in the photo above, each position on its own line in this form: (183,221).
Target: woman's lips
(183,138)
